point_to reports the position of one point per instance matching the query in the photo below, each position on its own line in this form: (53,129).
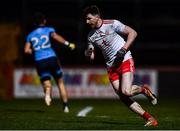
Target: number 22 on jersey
(40,43)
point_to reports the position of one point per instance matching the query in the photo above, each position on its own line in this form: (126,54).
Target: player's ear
(97,16)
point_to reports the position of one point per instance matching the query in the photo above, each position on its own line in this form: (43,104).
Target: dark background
(157,23)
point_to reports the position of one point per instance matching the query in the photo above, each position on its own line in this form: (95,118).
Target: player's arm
(131,35)
(27,48)
(89,52)
(60,39)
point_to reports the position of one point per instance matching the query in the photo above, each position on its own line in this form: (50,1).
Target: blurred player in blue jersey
(46,62)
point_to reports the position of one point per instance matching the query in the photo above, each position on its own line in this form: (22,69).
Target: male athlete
(120,66)
(47,65)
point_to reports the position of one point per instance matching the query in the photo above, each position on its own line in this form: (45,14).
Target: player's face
(92,20)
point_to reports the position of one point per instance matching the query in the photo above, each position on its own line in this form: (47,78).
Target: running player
(120,65)
(46,62)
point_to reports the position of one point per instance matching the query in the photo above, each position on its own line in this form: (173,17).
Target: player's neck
(41,25)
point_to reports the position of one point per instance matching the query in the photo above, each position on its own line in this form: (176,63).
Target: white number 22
(36,41)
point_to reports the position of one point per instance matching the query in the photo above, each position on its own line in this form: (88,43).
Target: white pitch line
(84,111)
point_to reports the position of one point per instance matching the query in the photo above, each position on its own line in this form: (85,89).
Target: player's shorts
(49,67)
(114,73)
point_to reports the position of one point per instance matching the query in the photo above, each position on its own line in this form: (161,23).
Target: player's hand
(121,53)
(88,52)
(119,56)
(72,46)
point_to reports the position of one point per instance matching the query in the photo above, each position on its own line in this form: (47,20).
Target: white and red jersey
(107,38)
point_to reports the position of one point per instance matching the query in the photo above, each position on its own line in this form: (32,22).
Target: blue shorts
(49,67)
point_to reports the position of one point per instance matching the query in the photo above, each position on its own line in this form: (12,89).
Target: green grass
(107,114)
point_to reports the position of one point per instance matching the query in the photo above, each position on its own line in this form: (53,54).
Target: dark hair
(38,18)
(93,9)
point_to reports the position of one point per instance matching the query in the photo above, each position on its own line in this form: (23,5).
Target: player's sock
(146,115)
(65,107)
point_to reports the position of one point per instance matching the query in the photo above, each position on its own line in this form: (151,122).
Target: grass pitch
(107,114)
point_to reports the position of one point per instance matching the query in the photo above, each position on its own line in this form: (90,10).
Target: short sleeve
(51,30)
(118,26)
(28,38)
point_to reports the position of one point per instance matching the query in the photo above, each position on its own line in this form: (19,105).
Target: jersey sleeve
(28,39)
(118,26)
(51,30)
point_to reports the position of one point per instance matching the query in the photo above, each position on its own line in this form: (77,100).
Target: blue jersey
(40,42)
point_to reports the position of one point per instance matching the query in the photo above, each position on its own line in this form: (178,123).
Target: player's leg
(130,103)
(127,87)
(134,106)
(58,74)
(63,93)
(131,90)
(42,67)
(47,90)
(150,121)
(120,86)
(127,71)
(116,80)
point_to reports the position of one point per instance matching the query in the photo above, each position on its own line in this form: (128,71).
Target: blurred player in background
(106,34)
(46,62)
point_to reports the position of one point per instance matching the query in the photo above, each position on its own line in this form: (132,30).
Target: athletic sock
(65,104)
(146,115)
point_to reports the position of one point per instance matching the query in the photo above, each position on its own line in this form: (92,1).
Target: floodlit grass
(107,114)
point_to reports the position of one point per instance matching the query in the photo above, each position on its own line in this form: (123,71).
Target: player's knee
(127,92)
(126,100)
(47,85)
